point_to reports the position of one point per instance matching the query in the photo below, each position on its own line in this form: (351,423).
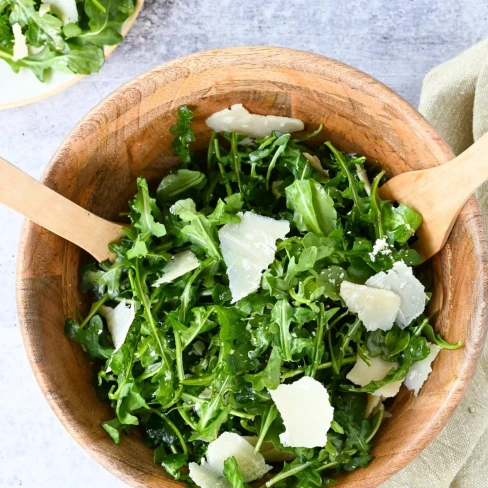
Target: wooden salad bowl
(127,135)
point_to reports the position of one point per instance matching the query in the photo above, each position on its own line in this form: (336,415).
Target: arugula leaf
(232,473)
(314,209)
(106,18)
(181,181)
(89,337)
(282,314)
(184,134)
(269,377)
(114,429)
(144,211)
(102,281)
(39,29)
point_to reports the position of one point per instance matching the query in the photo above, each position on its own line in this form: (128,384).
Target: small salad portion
(66,35)
(260,310)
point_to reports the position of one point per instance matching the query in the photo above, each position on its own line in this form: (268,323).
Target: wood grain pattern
(127,135)
(440,193)
(49,209)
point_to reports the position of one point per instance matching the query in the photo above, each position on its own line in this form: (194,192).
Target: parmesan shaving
(248,249)
(238,119)
(362,374)
(20,43)
(401,281)
(376,308)
(419,372)
(306,411)
(119,320)
(177,266)
(209,474)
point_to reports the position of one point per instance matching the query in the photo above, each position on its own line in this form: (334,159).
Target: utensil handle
(467,172)
(56,213)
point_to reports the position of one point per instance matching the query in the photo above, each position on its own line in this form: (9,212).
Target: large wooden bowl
(127,136)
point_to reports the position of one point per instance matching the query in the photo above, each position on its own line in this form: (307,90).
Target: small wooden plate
(24,88)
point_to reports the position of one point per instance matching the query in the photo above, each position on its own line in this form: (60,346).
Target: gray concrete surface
(397,41)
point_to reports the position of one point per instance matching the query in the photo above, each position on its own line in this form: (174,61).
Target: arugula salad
(260,310)
(66,35)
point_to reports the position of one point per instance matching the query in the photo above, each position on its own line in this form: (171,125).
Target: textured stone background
(396,41)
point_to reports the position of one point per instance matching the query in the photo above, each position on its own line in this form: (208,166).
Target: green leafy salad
(260,309)
(66,35)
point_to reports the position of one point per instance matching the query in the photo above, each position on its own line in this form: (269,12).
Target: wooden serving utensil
(439,194)
(49,209)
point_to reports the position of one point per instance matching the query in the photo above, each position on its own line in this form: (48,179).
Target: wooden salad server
(50,210)
(439,194)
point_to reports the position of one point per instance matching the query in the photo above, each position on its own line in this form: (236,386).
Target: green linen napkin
(454,100)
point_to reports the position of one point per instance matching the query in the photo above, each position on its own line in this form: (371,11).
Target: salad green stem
(329,364)
(228,188)
(268,419)
(288,473)
(173,428)
(94,310)
(196,400)
(186,417)
(236,160)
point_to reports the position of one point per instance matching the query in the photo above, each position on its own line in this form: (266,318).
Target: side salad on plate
(261,310)
(65,35)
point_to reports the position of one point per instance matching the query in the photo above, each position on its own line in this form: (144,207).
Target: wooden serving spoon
(439,194)
(56,213)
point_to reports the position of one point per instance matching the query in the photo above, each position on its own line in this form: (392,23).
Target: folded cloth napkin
(454,100)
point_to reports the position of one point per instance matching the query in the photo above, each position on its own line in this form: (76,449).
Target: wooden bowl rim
(474,225)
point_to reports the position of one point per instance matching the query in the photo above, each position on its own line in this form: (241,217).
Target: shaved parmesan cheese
(206,477)
(306,411)
(376,308)
(44,9)
(119,320)
(362,374)
(269,452)
(238,119)
(248,249)
(65,9)
(210,473)
(316,164)
(419,372)
(363,176)
(177,266)
(400,280)
(380,246)
(371,404)
(20,44)
(199,347)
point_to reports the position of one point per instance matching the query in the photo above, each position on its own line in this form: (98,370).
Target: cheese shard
(248,249)
(419,372)
(251,465)
(20,44)
(400,280)
(65,9)
(376,308)
(371,404)
(238,119)
(306,411)
(206,477)
(209,474)
(119,320)
(44,9)
(177,266)
(362,374)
